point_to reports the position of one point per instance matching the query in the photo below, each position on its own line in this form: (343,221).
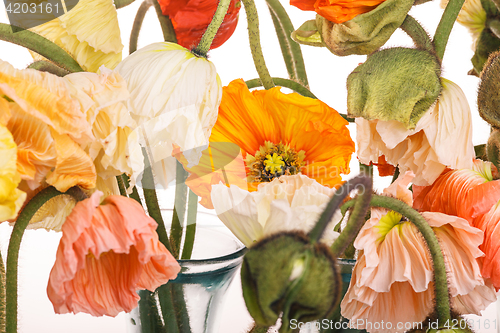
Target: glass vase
(192,302)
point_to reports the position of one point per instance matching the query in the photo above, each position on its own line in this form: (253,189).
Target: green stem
(445,25)
(136,27)
(494,25)
(148,312)
(419,2)
(187,250)
(255,47)
(15,243)
(440,279)
(121,185)
(356,217)
(297,87)
(40,45)
(122,3)
(148,186)
(363,182)
(417,33)
(168,308)
(134,195)
(366,169)
(45,66)
(180,306)
(209,35)
(2,295)
(181,191)
(259,329)
(166,25)
(291,51)
(396,175)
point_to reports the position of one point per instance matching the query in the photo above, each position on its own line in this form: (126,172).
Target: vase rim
(235,255)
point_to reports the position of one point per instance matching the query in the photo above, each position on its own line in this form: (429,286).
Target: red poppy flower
(191,18)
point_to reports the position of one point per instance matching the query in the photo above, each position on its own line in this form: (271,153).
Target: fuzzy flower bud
(488,97)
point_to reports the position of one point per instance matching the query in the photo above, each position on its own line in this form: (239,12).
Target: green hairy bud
(488,96)
(394,84)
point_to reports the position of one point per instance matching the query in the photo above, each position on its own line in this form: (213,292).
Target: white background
(327,75)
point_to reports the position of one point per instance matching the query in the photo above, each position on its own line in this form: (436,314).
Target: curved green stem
(136,28)
(362,182)
(417,33)
(40,45)
(166,25)
(440,279)
(255,47)
(148,186)
(15,243)
(295,86)
(204,45)
(356,217)
(122,3)
(291,51)
(445,25)
(45,66)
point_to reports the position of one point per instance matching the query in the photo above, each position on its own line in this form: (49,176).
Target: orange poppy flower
(467,193)
(107,253)
(337,11)
(491,244)
(191,18)
(274,134)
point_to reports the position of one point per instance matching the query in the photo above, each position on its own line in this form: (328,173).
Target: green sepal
(394,84)
(271,286)
(487,43)
(308,34)
(365,33)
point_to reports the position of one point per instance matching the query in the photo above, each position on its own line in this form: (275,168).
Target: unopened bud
(394,84)
(366,32)
(488,96)
(286,274)
(493,148)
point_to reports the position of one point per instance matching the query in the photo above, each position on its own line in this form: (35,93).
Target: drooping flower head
(337,11)
(174,99)
(277,134)
(392,279)
(107,253)
(89,33)
(286,203)
(191,18)
(424,150)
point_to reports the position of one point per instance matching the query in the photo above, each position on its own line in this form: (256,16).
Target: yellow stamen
(274,163)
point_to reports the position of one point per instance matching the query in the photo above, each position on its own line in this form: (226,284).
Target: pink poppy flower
(107,253)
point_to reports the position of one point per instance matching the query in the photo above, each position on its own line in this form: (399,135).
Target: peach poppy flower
(337,11)
(107,253)
(467,193)
(392,278)
(279,134)
(48,128)
(424,150)
(489,223)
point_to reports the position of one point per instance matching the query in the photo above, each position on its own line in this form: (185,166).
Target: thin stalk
(295,86)
(181,311)
(417,33)
(440,279)
(2,295)
(445,25)
(45,66)
(122,3)
(168,308)
(356,217)
(15,243)
(121,186)
(255,47)
(40,45)
(366,169)
(181,191)
(209,35)
(136,28)
(148,186)
(148,312)
(187,249)
(291,51)
(166,25)
(134,195)
(362,182)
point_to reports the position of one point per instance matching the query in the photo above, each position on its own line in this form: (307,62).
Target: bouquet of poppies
(88,138)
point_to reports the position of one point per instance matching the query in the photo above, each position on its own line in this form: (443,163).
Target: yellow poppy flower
(89,33)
